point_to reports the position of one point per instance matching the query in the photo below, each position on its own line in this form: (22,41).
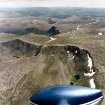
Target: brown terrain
(30,60)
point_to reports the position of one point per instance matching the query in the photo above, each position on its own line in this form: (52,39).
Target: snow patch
(68,52)
(51,38)
(78,27)
(100,34)
(89,74)
(76,51)
(92,83)
(90,63)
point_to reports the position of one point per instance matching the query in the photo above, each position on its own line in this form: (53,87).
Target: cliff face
(20,48)
(20,76)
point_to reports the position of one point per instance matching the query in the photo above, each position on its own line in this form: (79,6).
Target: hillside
(40,25)
(51,12)
(38,48)
(46,63)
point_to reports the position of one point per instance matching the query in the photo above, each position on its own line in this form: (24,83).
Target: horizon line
(52,7)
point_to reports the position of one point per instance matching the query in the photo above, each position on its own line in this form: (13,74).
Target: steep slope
(19,77)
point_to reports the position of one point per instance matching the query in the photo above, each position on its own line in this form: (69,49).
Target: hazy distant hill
(51,12)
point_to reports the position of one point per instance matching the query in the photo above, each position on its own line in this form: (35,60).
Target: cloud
(53,3)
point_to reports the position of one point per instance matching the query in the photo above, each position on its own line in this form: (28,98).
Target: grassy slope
(94,44)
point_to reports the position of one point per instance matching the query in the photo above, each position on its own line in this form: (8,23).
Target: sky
(53,3)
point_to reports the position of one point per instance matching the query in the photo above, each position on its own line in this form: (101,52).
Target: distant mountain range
(51,12)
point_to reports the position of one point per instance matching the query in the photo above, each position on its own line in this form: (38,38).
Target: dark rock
(53,31)
(77,77)
(19,48)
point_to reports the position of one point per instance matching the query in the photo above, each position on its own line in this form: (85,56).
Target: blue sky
(53,3)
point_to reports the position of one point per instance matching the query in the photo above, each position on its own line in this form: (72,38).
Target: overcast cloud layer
(53,3)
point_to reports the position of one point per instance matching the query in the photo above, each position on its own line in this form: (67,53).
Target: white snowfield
(91,72)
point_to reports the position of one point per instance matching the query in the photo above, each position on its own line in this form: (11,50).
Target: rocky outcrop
(22,76)
(20,48)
